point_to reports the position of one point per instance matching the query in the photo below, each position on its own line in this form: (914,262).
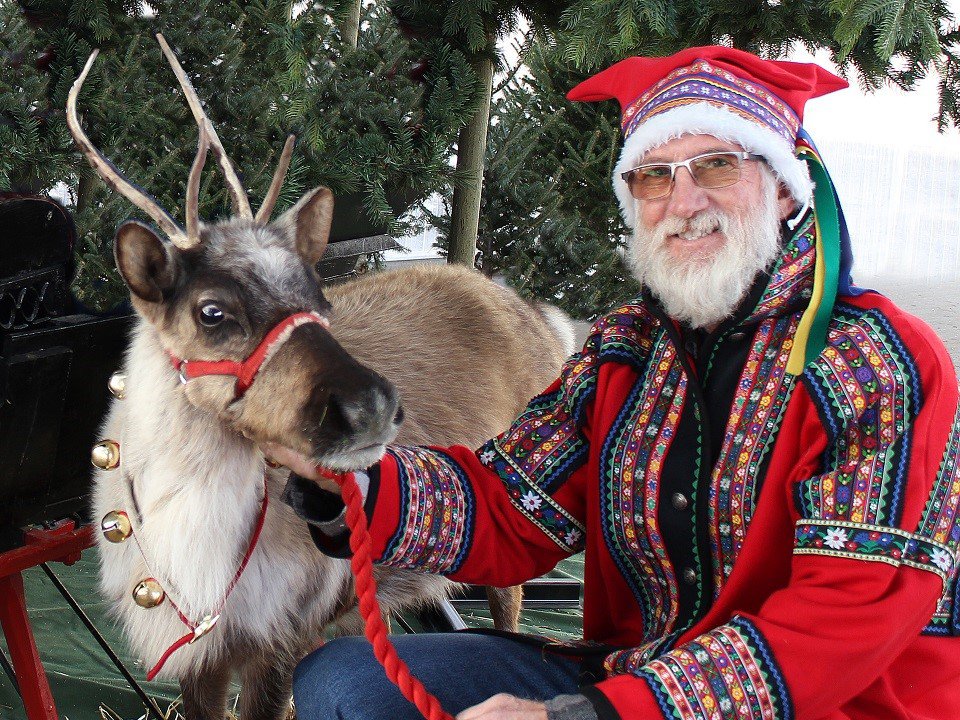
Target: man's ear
(785,201)
(310,221)
(144,261)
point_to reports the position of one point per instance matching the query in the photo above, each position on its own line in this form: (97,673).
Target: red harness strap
(198,630)
(246,371)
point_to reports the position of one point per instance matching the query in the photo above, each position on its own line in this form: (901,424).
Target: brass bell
(148,593)
(116,526)
(272,463)
(117,384)
(106,455)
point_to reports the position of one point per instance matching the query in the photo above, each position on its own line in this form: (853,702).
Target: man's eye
(210,315)
(656,171)
(715,162)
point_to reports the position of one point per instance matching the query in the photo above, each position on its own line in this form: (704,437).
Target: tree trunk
(351,24)
(471,149)
(84,193)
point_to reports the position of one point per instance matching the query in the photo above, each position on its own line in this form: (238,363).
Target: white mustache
(703,223)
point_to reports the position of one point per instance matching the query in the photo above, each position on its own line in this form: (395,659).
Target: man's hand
(505,707)
(300,464)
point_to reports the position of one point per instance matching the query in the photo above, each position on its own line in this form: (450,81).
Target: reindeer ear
(143,261)
(310,221)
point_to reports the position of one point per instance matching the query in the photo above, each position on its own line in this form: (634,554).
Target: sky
(898,178)
(883,115)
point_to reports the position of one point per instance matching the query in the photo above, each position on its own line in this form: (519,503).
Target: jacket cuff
(570,707)
(601,703)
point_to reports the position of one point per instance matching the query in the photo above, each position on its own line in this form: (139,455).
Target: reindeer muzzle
(246,371)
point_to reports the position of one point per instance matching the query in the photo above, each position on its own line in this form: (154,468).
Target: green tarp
(82,676)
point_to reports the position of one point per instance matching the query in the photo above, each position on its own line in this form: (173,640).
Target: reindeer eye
(210,315)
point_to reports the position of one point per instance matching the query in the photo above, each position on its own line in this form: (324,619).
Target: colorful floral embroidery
(726,673)
(531,499)
(941,522)
(626,336)
(437,511)
(755,415)
(791,279)
(866,387)
(545,443)
(876,544)
(632,660)
(941,518)
(631,463)
(703,81)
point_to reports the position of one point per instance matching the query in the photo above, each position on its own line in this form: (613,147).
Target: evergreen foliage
(474,28)
(375,124)
(547,223)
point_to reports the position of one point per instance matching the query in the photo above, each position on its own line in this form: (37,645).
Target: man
(760,462)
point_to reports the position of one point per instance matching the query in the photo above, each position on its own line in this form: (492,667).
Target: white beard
(699,290)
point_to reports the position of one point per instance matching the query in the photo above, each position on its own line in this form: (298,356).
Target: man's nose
(687,198)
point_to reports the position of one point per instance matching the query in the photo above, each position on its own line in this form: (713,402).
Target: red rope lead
(362,564)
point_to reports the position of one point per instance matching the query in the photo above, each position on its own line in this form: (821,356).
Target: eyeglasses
(710,170)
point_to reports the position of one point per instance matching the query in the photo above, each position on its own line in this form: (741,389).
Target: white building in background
(902,205)
(420,248)
(897,177)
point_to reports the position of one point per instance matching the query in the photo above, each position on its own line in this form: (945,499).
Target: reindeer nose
(372,411)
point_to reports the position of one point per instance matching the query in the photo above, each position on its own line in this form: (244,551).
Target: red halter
(246,371)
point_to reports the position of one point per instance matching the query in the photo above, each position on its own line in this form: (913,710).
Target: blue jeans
(343,681)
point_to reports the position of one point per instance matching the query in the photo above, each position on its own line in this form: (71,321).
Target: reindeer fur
(465,355)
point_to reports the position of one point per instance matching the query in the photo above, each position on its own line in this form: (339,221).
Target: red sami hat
(720,91)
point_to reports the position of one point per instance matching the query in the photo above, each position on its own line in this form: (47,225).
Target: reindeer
(224,581)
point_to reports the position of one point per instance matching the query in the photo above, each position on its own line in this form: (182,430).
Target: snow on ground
(935,302)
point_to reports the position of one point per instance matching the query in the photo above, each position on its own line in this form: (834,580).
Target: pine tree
(543,226)
(473,28)
(550,220)
(375,123)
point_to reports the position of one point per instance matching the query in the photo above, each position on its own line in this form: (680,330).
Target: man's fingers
(505,707)
(299,463)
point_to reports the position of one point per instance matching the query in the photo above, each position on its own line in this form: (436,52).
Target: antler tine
(241,205)
(263,214)
(109,172)
(193,188)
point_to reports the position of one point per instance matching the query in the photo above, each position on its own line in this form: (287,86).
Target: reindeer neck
(170,446)
(195,486)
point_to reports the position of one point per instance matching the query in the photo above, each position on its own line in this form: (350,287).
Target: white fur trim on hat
(706,119)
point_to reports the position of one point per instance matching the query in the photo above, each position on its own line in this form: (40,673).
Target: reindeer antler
(109,172)
(193,187)
(241,205)
(263,214)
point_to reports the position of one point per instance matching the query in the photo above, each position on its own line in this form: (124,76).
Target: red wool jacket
(757,545)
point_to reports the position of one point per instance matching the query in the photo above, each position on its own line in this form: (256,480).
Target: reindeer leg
(205,693)
(505,607)
(267,687)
